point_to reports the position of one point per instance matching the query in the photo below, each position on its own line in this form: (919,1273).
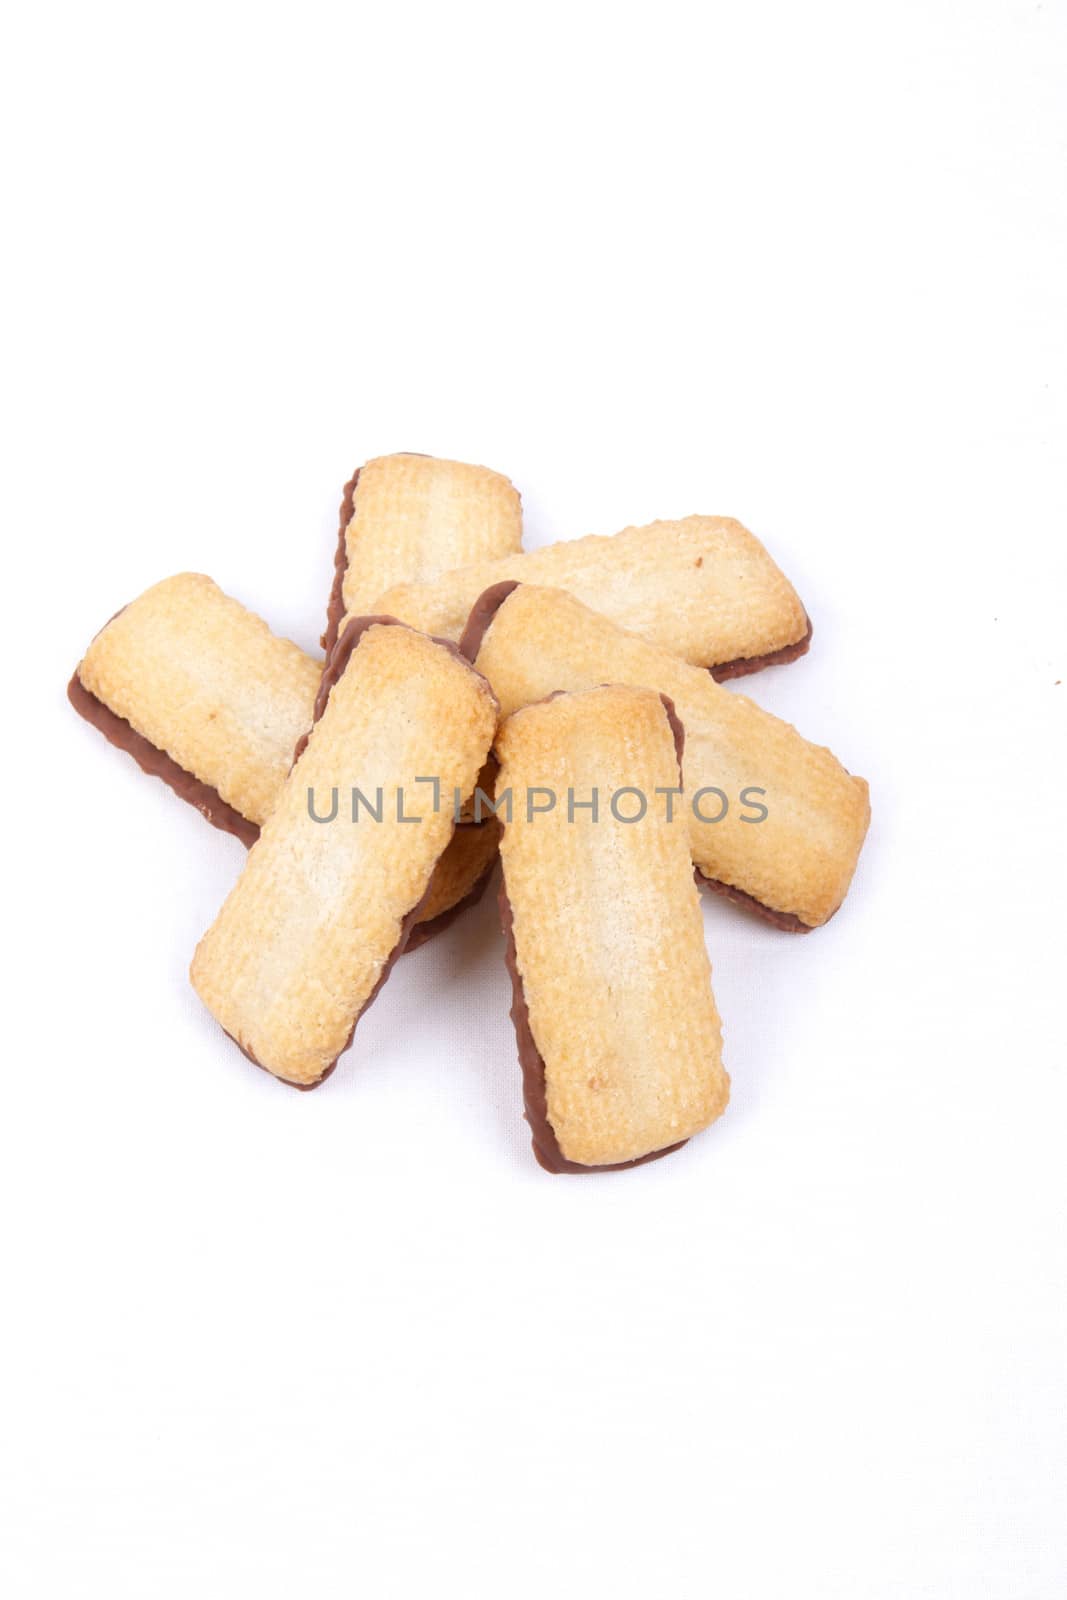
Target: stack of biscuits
(560,708)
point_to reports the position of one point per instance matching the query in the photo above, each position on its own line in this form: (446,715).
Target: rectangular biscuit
(618,1033)
(323,907)
(703,587)
(406,518)
(201,693)
(204,680)
(794,865)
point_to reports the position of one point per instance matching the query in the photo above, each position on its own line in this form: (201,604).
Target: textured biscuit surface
(609,939)
(416,516)
(800,859)
(703,587)
(204,679)
(301,944)
(204,676)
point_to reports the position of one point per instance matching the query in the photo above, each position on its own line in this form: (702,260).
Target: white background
(801,264)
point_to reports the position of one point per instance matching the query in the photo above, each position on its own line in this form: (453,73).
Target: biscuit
(201,693)
(794,865)
(618,1032)
(205,681)
(704,588)
(406,518)
(325,903)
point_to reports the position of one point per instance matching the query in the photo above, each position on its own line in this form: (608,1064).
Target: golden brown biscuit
(618,1033)
(405,518)
(204,680)
(704,588)
(792,864)
(201,693)
(325,903)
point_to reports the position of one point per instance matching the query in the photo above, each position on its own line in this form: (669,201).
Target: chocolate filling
(741,666)
(534,1091)
(335,608)
(481,615)
(158,764)
(423,932)
(786,920)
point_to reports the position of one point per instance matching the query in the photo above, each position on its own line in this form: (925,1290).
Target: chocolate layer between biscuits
(481,615)
(787,921)
(423,932)
(157,764)
(742,666)
(335,608)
